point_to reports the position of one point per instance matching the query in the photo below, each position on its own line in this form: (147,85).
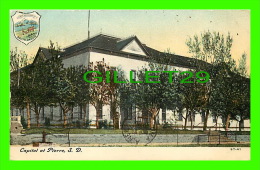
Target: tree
(75,75)
(18,60)
(209,50)
(230,94)
(41,74)
(157,92)
(99,92)
(242,97)
(222,97)
(39,89)
(242,101)
(241,69)
(115,89)
(61,88)
(20,82)
(192,98)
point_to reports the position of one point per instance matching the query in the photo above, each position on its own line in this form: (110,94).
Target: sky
(159,29)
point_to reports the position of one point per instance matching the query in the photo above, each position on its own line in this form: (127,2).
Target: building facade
(129,54)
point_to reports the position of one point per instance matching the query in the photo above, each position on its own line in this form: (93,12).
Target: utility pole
(88,23)
(18,71)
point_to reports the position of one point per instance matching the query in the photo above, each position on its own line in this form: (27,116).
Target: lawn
(101,131)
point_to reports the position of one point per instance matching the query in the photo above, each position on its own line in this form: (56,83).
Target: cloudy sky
(159,29)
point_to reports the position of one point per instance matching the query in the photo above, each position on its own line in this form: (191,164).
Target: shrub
(47,122)
(103,124)
(23,122)
(88,123)
(78,125)
(166,125)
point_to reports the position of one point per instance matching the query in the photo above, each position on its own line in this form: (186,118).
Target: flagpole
(88,23)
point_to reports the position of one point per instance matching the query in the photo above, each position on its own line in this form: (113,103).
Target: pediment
(134,47)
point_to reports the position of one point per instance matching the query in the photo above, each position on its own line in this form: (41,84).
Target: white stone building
(130,54)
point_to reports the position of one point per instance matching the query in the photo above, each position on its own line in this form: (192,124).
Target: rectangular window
(111,108)
(112,69)
(193,117)
(223,119)
(203,116)
(51,112)
(130,112)
(189,116)
(133,75)
(101,112)
(214,119)
(80,112)
(60,113)
(71,111)
(145,117)
(164,114)
(21,112)
(134,111)
(100,106)
(42,112)
(180,116)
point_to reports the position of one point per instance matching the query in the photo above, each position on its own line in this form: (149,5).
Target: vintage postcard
(130,85)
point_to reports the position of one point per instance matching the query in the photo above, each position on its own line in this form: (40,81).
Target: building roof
(122,43)
(115,44)
(100,41)
(46,52)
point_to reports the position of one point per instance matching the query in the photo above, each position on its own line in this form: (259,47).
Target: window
(17,112)
(129,113)
(21,112)
(180,116)
(100,107)
(71,112)
(101,112)
(189,116)
(214,119)
(145,116)
(42,112)
(51,112)
(112,72)
(133,75)
(60,113)
(203,116)
(164,114)
(111,110)
(134,111)
(80,112)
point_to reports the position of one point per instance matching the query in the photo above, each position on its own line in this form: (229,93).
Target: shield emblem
(26,26)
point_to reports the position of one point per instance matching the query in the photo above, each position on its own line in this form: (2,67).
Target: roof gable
(134,47)
(44,54)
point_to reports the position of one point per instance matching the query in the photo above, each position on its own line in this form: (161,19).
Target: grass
(101,131)
(162,145)
(236,132)
(71,131)
(210,145)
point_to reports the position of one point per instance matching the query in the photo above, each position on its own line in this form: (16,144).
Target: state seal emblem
(26,26)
